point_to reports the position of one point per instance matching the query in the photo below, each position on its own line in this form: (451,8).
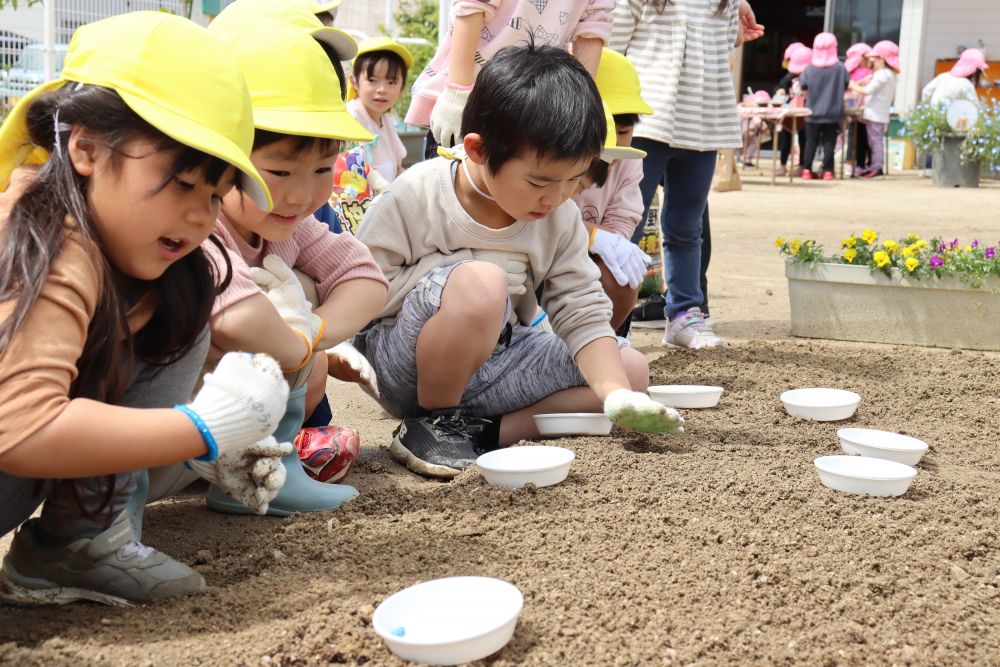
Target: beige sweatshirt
(418,225)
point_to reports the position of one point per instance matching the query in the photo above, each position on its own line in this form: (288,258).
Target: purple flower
(991,252)
(936,262)
(975,243)
(953,244)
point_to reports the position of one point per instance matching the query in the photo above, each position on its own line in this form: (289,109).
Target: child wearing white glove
(609,197)
(479,29)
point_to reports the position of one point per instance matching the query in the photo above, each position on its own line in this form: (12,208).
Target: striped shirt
(682,57)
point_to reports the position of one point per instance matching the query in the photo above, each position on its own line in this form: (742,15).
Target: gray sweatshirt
(825,88)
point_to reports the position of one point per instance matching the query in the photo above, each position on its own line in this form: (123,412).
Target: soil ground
(716,547)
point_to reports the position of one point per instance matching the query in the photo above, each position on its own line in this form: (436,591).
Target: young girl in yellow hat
(300,123)
(105,295)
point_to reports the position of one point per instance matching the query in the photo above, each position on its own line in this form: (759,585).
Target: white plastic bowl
(823,405)
(573,423)
(686,395)
(449,621)
(882,445)
(513,467)
(860,474)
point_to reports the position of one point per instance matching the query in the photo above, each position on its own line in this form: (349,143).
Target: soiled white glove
(638,412)
(283,289)
(344,362)
(515,264)
(446,117)
(623,258)
(240,402)
(252,475)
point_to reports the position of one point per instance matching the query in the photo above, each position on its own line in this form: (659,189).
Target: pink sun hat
(969,62)
(824,51)
(855,54)
(887,51)
(789,50)
(800,60)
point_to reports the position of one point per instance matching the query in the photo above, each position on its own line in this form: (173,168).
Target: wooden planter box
(844,302)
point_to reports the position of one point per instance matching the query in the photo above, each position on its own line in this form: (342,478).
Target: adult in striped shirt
(681,51)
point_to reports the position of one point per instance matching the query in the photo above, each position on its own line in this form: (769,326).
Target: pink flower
(936,262)
(991,252)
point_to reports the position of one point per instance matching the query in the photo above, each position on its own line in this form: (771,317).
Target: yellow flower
(912,263)
(912,237)
(869,236)
(908,251)
(920,244)
(881,258)
(891,245)
(794,246)
(968,248)
(849,242)
(780,241)
(850,254)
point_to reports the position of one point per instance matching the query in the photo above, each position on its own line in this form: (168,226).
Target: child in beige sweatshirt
(465,239)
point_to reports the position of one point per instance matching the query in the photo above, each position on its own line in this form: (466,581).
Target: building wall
(934,29)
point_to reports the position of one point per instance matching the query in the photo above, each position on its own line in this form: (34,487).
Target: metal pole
(49,38)
(388,18)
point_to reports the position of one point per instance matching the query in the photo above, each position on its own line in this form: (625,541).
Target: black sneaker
(650,310)
(443,443)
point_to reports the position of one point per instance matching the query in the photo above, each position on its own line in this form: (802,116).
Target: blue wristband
(539,318)
(206,435)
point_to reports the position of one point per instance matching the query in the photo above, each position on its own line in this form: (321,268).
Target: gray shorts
(536,364)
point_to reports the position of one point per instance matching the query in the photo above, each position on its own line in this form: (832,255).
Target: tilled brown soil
(718,546)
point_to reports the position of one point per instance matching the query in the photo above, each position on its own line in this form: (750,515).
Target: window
(866,21)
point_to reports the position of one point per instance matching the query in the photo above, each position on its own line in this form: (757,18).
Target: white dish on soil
(860,474)
(573,423)
(882,445)
(686,395)
(513,467)
(821,404)
(449,621)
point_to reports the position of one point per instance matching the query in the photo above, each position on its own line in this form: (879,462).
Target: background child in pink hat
(857,139)
(878,92)
(824,82)
(797,58)
(959,83)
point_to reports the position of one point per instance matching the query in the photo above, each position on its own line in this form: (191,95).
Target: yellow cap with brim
(618,83)
(612,151)
(293,88)
(381,43)
(156,62)
(296,13)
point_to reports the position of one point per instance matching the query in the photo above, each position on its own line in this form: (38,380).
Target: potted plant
(982,143)
(911,291)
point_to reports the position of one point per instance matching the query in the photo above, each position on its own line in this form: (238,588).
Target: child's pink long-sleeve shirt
(330,259)
(616,207)
(509,23)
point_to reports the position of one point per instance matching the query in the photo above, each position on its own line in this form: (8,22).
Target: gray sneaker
(690,330)
(113,568)
(441,444)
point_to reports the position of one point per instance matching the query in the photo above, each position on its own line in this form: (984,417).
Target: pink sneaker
(328,452)
(807,175)
(782,171)
(827,175)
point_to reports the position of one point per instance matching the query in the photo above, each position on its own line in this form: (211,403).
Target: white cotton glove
(515,264)
(344,362)
(240,402)
(446,117)
(638,412)
(623,258)
(283,289)
(252,475)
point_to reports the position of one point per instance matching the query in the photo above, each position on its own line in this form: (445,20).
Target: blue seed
(399,632)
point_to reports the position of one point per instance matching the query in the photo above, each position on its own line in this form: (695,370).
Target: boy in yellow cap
(609,198)
(377,79)
(300,124)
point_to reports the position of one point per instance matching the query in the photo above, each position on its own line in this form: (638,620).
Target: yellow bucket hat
(618,84)
(293,88)
(296,13)
(381,43)
(157,63)
(612,151)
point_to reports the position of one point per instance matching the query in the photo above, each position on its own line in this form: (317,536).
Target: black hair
(36,231)
(536,98)
(367,62)
(598,172)
(262,138)
(630,119)
(338,67)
